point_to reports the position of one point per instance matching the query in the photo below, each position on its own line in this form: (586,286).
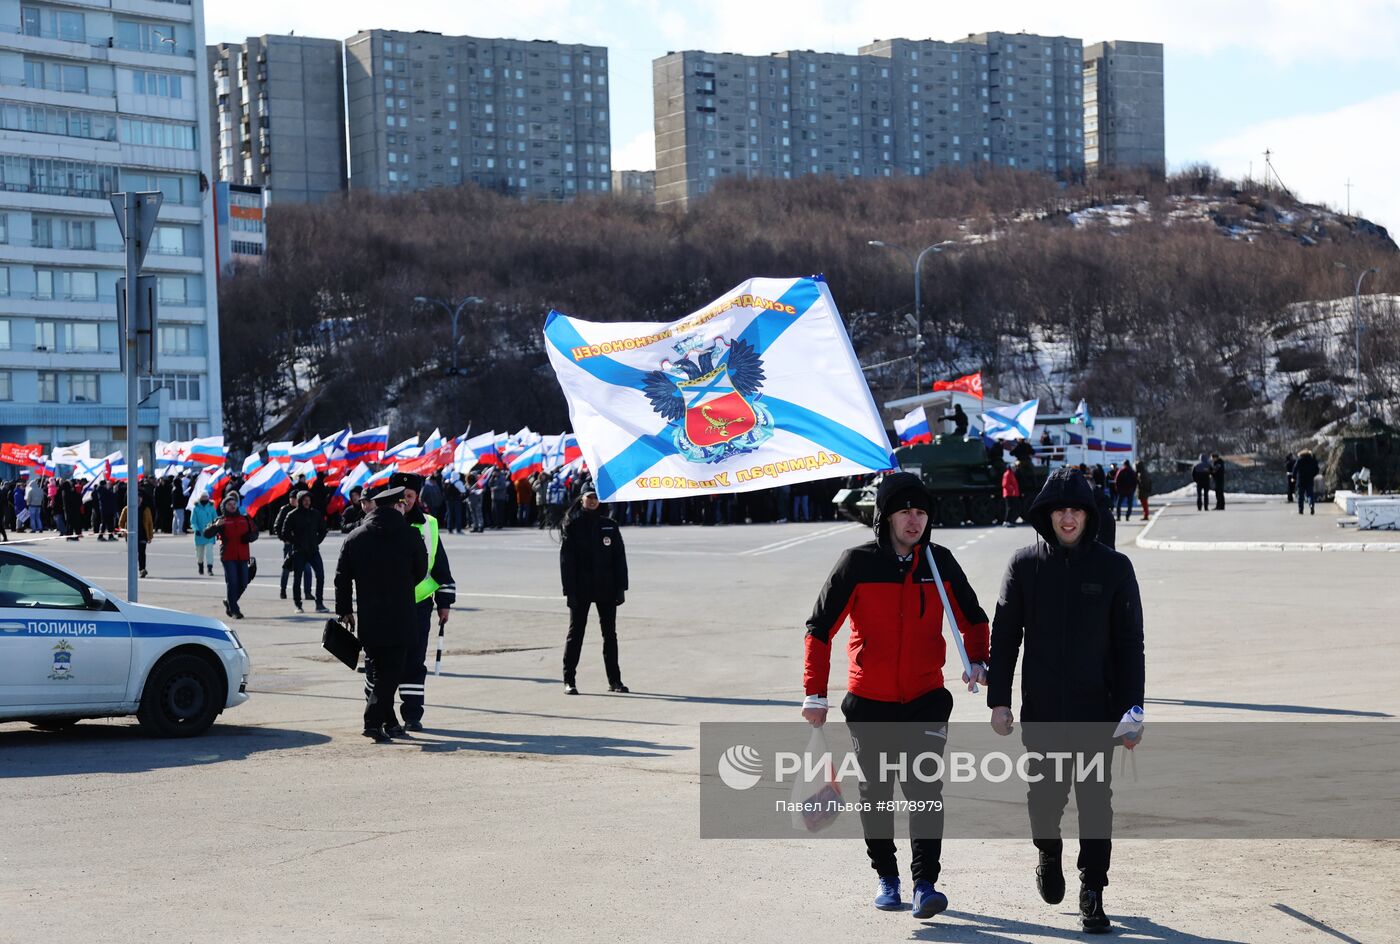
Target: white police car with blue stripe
(68,651)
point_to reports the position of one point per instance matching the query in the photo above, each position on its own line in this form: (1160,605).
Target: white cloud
(637,154)
(1315,154)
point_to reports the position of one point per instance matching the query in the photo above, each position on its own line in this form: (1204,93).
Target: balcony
(15,80)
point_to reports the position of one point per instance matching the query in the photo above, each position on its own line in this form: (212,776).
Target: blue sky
(1317,83)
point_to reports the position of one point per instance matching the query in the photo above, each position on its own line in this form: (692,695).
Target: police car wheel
(181,699)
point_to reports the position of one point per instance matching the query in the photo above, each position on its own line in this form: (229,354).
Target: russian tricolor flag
(305,451)
(381,477)
(913,428)
(528,462)
(265,486)
(360,475)
(480,449)
(408,449)
(207,451)
(280,452)
(119,468)
(368,444)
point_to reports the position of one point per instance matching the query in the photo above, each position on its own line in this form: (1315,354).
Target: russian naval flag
(758,388)
(913,428)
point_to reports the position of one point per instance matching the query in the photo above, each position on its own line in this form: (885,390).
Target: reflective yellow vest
(428,586)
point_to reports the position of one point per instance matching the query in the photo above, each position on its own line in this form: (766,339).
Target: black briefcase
(341,643)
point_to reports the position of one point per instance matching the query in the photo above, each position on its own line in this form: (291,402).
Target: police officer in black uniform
(379,566)
(435,592)
(593,568)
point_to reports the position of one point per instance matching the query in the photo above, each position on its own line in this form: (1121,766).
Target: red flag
(20,454)
(429,462)
(970,384)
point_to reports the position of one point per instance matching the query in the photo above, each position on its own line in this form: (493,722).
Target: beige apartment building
(524,117)
(896,107)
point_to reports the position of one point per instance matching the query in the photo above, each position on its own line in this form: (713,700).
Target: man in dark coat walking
(380,564)
(1200,476)
(304,528)
(1217,477)
(1305,468)
(593,568)
(1075,606)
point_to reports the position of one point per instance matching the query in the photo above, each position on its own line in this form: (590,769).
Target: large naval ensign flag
(758,388)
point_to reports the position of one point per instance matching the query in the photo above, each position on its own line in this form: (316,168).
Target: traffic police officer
(436,591)
(378,567)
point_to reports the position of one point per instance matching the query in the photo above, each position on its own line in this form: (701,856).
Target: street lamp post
(454,312)
(1356,324)
(917,262)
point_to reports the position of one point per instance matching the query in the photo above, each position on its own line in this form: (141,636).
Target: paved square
(522,814)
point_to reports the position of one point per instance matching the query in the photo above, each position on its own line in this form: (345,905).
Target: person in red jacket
(235,532)
(897,653)
(1011,495)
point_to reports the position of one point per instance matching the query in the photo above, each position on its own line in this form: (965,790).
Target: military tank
(965,484)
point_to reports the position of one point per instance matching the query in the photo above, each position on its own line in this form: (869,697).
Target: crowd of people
(1117,490)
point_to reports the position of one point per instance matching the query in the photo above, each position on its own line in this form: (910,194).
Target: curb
(1277,546)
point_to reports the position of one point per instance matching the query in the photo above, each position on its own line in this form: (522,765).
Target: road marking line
(794,542)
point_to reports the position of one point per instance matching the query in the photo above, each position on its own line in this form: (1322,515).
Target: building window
(175,339)
(172,290)
(157,134)
(180,386)
(162,84)
(147,37)
(6,388)
(48,386)
(4,291)
(82,388)
(80,337)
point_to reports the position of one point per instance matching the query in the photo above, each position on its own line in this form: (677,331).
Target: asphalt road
(522,814)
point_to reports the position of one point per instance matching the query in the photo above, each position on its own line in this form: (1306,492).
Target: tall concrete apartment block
(100,97)
(277,104)
(896,107)
(1124,111)
(524,117)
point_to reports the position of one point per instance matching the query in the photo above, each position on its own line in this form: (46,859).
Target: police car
(68,651)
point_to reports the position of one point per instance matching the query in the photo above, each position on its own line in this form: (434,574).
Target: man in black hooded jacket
(1075,606)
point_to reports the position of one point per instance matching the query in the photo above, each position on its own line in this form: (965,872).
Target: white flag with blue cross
(758,388)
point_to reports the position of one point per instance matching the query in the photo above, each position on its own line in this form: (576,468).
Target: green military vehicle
(965,484)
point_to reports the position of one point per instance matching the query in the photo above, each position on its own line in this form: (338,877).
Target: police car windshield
(25,585)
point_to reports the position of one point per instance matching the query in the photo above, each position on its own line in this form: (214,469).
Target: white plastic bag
(816,798)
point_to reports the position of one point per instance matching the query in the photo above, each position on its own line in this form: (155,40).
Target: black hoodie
(1079,613)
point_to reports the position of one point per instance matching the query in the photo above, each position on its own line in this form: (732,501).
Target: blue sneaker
(928,901)
(887,898)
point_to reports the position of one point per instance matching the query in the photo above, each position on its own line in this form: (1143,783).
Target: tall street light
(454,312)
(1356,322)
(917,263)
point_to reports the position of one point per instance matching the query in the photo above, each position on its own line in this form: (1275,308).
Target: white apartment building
(98,96)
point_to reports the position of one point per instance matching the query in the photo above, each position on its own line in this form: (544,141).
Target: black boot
(377,735)
(1050,878)
(1091,915)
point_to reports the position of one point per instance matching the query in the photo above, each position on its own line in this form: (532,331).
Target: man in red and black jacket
(897,654)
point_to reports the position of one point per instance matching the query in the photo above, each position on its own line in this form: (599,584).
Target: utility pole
(917,262)
(1348,196)
(136,316)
